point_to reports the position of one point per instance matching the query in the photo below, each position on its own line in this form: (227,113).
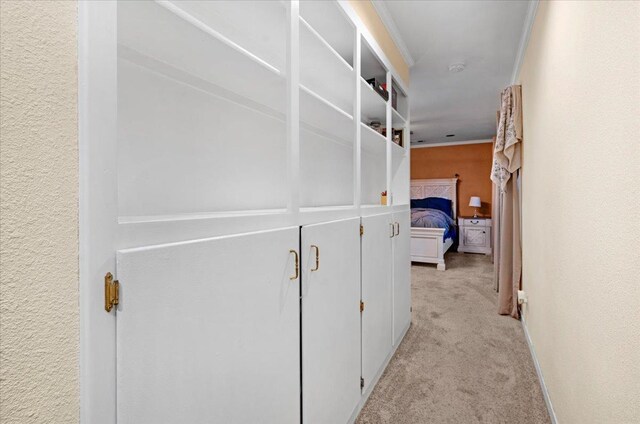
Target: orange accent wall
(471,161)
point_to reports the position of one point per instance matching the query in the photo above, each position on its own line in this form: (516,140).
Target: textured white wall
(581,197)
(38,213)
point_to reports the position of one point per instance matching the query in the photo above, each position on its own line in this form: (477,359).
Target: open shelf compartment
(372,140)
(327,170)
(317,113)
(331,23)
(373,106)
(323,70)
(374,175)
(400,103)
(185,122)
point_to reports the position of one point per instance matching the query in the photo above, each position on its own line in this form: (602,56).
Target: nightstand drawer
(471,222)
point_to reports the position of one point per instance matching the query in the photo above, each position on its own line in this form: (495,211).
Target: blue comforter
(433,218)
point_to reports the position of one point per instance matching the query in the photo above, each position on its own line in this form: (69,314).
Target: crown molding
(388,22)
(524,39)
(449,143)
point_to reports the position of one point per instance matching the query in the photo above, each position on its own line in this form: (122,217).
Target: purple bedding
(433,218)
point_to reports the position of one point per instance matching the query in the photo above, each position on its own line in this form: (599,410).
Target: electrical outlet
(522,297)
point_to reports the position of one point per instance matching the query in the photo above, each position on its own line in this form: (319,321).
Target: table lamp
(475,203)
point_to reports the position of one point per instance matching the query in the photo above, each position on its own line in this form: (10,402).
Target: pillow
(420,203)
(439,203)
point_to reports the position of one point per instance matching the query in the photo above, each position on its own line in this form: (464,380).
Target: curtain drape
(496,207)
(506,163)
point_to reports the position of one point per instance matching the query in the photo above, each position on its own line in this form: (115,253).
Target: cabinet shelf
(397,150)
(323,115)
(373,106)
(327,208)
(187,13)
(190,216)
(329,20)
(169,36)
(323,70)
(373,209)
(264,105)
(372,140)
(324,42)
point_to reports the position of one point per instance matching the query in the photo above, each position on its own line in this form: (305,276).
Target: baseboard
(365,395)
(543,386)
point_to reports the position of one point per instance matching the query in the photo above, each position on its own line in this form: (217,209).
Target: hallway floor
(460,361)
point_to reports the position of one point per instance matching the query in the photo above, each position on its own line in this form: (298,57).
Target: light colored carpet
(460,361)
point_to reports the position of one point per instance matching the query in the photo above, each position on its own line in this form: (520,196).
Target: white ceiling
(484,35)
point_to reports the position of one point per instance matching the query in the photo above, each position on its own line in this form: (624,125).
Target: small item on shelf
(376,125)
(383,198)
(397,137)
(378,88)
(394,96)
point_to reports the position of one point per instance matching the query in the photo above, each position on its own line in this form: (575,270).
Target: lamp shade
(474,201)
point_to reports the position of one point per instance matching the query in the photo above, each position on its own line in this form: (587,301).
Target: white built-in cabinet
(377,295)
(401,274)
(330,321)
(231,183)
(205,338)
(386,289)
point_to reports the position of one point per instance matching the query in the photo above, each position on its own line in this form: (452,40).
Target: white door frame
(97,112)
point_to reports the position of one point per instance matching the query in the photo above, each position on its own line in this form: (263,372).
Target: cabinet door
(209,331)
(401,275)
(330,321)
(377,319)
(475,237)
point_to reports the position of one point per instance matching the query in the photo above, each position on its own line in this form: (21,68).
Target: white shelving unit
(170,54)
(327,104)
(225,145)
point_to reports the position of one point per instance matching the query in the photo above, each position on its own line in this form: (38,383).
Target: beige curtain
(506,163)
(496,207)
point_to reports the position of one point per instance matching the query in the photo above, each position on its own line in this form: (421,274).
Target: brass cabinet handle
(397,228)
(313,246)
(393,230)
(297,264)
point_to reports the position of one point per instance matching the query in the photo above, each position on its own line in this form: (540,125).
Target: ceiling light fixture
(450,135)
(457,67)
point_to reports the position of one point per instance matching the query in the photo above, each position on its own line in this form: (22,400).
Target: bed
(428,245)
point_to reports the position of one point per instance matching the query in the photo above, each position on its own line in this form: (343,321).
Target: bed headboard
(444,187)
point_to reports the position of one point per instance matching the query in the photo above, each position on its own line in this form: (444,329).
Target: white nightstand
(475,235)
